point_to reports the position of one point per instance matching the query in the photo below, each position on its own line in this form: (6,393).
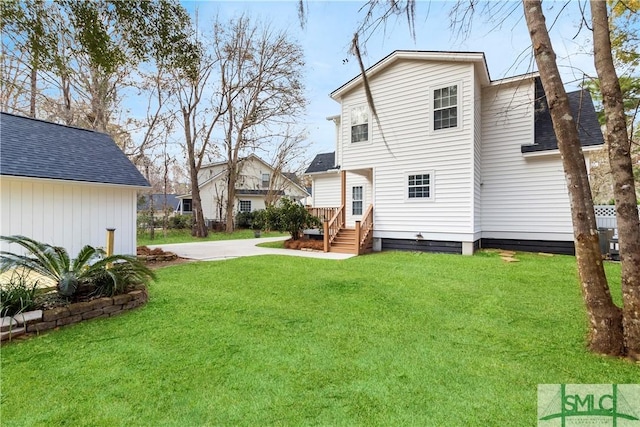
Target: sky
(502,36)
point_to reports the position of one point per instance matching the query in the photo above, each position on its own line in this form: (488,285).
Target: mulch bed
(316,245)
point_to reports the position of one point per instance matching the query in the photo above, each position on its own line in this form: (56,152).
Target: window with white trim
(356,200)
(359,124)
(265,180)
(445,107)
(245,205)
(419,186)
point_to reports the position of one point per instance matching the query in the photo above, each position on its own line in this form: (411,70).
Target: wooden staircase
(338,238)
(344,242)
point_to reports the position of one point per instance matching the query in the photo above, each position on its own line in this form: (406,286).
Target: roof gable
(39,149)
(397,55)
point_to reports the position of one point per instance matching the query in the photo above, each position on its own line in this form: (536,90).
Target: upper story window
(359,124)
(265,180)
(419,186)
(445,107)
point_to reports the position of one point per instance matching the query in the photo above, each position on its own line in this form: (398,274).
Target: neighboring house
(456,162)
(159,202)
(256,184)
(65,186)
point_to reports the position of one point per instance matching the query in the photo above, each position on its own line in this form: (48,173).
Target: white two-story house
(456,161)
(258,184)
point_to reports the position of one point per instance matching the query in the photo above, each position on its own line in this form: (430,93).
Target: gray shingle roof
(158,201)
(583,112)
(246,192)
(39,149)
(322,163)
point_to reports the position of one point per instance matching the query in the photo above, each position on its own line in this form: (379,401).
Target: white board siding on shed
(68,214)
(403,96)
(519,195)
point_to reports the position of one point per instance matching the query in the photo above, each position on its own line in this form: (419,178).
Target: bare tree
(261,88)
(287,163)
(605,318)
(622,169)
(199,118)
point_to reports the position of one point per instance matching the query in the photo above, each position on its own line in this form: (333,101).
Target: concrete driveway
(226,249)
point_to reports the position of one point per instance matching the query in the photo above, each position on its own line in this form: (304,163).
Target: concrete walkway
(226,249)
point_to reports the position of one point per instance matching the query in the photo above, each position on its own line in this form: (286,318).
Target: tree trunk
(198,228)
(622,170)
(605,318)
(232,177)
(34,88)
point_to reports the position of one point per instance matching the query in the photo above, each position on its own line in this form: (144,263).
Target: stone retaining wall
(44,320)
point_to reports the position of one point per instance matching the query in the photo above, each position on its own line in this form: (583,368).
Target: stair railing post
(325,231)
(357,240)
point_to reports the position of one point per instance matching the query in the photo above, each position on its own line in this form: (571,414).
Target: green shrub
(17,296)
(244,219)
(180,222)
(288,216)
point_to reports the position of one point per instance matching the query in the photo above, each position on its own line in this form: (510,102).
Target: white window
(445,107)
(359,124)
(245,205)
(356,200)
(265,180)
(419,186)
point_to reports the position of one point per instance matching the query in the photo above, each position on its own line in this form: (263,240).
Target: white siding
(403,96)
(326,190)
(522,197)
(68,214)
(477,159)
(215,192)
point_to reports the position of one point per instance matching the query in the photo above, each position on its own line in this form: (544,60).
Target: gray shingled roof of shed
(322,163)
(583,112)
(39,149)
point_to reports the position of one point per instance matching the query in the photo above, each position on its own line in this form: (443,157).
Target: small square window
(245,205)
(419,186)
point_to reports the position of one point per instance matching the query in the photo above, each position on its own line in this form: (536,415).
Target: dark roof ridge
(53,123)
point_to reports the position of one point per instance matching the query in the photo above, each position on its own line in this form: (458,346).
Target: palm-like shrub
(91,266)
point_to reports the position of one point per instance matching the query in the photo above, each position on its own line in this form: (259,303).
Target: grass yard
(184,236)
(384,339)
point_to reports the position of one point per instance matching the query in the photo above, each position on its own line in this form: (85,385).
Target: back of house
(454,161)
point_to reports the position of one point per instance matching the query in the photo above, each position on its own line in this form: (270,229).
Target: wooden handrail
(365,229)
(332,227)
(323,214)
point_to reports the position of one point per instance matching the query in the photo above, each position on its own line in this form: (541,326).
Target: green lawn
(184,236)
(385,339)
